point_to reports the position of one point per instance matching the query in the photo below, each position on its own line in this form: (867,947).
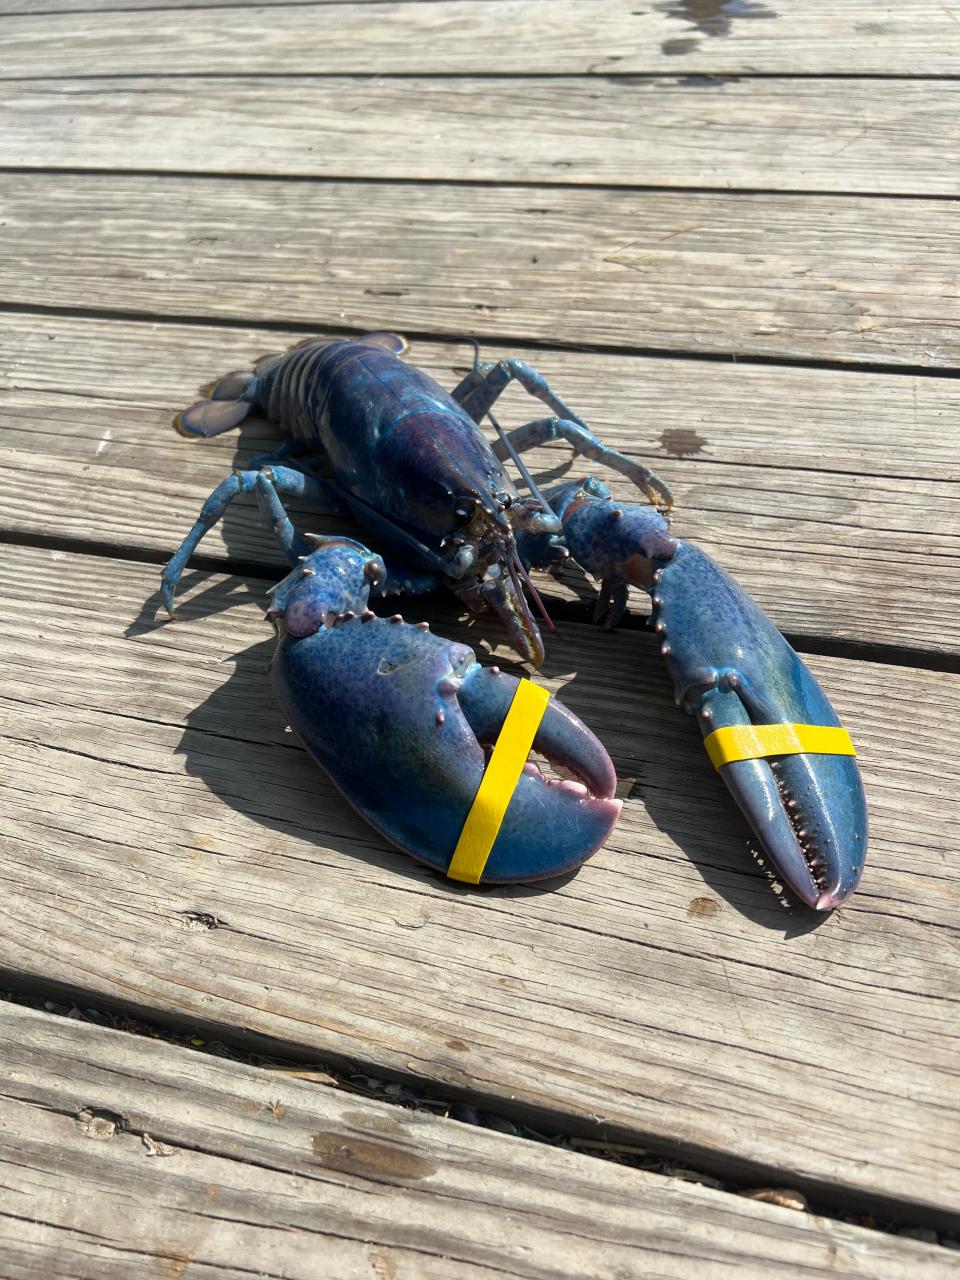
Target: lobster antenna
(518,462)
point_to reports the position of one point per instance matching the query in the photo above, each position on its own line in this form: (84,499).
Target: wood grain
(832,497)
(123,1156)
(460,36)
(848,279)
(147,774)
(787,134)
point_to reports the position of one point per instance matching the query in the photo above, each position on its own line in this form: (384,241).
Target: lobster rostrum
(403,720)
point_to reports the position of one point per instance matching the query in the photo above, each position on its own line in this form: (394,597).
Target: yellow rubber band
(498,783)
(754,741)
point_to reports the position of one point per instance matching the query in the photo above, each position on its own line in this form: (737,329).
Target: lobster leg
(733,671)
(485,383)
(583,441)
(482,387)
(267,484)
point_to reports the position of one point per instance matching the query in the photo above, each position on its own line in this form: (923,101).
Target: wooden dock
(242,1036)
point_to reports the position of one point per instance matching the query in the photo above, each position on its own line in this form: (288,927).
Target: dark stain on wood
(714,17)
(366,1159)
(682,442)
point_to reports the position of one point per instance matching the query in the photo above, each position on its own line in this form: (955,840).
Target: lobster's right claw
(732,667)
(401,720)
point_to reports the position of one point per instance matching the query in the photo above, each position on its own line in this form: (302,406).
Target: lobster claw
(730,666)
(401,720)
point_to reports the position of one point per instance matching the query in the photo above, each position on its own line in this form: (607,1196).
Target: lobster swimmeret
(403,720)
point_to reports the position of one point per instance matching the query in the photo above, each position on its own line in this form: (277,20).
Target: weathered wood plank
(260,1175)
(844,279)
(826,524)
(865,424)
(788,134)
(460,36)
(662,991)
(37,8)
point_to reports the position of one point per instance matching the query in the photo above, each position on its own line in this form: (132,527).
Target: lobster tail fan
(211,417)
(395,343)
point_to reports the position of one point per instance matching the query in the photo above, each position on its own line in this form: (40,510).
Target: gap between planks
(661,992)
(224,1155)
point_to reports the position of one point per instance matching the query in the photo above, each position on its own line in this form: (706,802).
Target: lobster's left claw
(400,719)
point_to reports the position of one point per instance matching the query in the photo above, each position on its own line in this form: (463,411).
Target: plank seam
(685,1160)
(524,184)
(711,73)
(290,326)
(561,609)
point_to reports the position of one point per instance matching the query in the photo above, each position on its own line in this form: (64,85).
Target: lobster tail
(230,400)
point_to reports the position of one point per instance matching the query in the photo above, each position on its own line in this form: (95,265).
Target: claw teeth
(665,648)
(446,687)
(440,717)
(397,617)
(423,626)
(367,615)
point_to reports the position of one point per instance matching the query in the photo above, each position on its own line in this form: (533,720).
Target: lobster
(408,725)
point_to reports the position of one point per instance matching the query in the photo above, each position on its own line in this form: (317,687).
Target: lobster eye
(505,499)
(464,508)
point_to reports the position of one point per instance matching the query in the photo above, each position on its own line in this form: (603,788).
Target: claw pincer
(768,725)
(403,721)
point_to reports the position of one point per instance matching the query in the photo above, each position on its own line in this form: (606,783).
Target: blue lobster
(404,722)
